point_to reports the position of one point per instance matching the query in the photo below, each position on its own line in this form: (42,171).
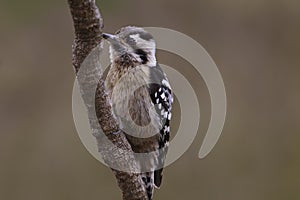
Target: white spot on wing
(165,128)
(169,116)
(166,115)
(159,106)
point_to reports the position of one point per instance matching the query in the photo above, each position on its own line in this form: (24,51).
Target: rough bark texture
(88,26)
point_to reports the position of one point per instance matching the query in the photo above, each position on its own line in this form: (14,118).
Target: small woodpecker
(141,98)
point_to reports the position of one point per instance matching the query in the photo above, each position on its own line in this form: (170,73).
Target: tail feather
(158,177)
(148,179)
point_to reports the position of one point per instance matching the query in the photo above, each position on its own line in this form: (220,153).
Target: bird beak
(109,37)
(114,42)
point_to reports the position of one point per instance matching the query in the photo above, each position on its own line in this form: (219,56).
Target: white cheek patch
(136,37)
(143,43)
(147,45)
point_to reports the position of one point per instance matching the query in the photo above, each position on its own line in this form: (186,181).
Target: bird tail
(158,177)
(148,179)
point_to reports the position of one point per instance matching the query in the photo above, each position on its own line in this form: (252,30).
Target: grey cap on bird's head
(133,41)
(128,33)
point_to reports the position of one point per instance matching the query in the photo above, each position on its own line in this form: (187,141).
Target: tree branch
(88,26)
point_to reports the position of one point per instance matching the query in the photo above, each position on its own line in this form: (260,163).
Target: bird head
(132,43)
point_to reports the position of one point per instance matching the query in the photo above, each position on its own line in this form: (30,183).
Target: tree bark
(88,26)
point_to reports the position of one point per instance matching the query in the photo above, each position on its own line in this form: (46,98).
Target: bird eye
(130,41)
(143,55)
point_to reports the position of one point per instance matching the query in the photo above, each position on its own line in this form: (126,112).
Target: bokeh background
(256,46)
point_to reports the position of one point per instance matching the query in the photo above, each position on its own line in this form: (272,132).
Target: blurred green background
(256,46)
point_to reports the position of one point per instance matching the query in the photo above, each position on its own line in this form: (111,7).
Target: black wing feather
(161,96)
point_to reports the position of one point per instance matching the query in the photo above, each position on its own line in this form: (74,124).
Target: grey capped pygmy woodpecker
(141,99)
